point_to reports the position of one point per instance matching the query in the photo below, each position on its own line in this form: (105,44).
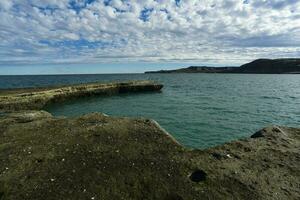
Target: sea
(198,110)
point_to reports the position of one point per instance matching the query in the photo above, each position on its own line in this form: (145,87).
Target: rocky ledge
(100,157)
(37,98)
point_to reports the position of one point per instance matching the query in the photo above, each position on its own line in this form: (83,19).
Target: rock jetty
(37,98)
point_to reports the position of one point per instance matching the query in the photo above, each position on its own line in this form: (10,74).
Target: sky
(124,36)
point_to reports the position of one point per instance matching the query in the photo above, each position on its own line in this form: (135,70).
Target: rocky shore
(101,157)
(37,98)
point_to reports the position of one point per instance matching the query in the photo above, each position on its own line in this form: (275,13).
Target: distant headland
(259,66)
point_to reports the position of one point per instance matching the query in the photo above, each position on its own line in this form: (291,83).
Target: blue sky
(123,36)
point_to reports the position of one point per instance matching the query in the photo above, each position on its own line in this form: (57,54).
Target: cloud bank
(99,31)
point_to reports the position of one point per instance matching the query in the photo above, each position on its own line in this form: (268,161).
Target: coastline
(102,157)
(259,66)
(37,98)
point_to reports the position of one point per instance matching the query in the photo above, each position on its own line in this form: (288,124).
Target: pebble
(228,155)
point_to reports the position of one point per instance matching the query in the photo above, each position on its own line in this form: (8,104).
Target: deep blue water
(199,110)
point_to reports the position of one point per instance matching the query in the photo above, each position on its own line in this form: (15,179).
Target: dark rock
(174,197)
(198,176)
(217,155)
(258,134)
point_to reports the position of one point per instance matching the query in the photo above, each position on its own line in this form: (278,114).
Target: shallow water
(199,110)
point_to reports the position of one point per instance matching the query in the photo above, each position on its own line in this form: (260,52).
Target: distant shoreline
(260,66)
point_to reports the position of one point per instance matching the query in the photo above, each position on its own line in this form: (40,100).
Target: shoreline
(38,98)
(259,66)
(133,158)
(95,156)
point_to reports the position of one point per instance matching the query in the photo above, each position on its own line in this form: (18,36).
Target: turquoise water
(199,110)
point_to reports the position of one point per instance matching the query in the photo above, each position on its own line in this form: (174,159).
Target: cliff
(37,98)
(267,66)
(101,157)
(260,66)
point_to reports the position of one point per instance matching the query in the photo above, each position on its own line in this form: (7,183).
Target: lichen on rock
(122,158)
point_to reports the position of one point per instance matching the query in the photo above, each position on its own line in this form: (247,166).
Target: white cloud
(5,4)
(230,31)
